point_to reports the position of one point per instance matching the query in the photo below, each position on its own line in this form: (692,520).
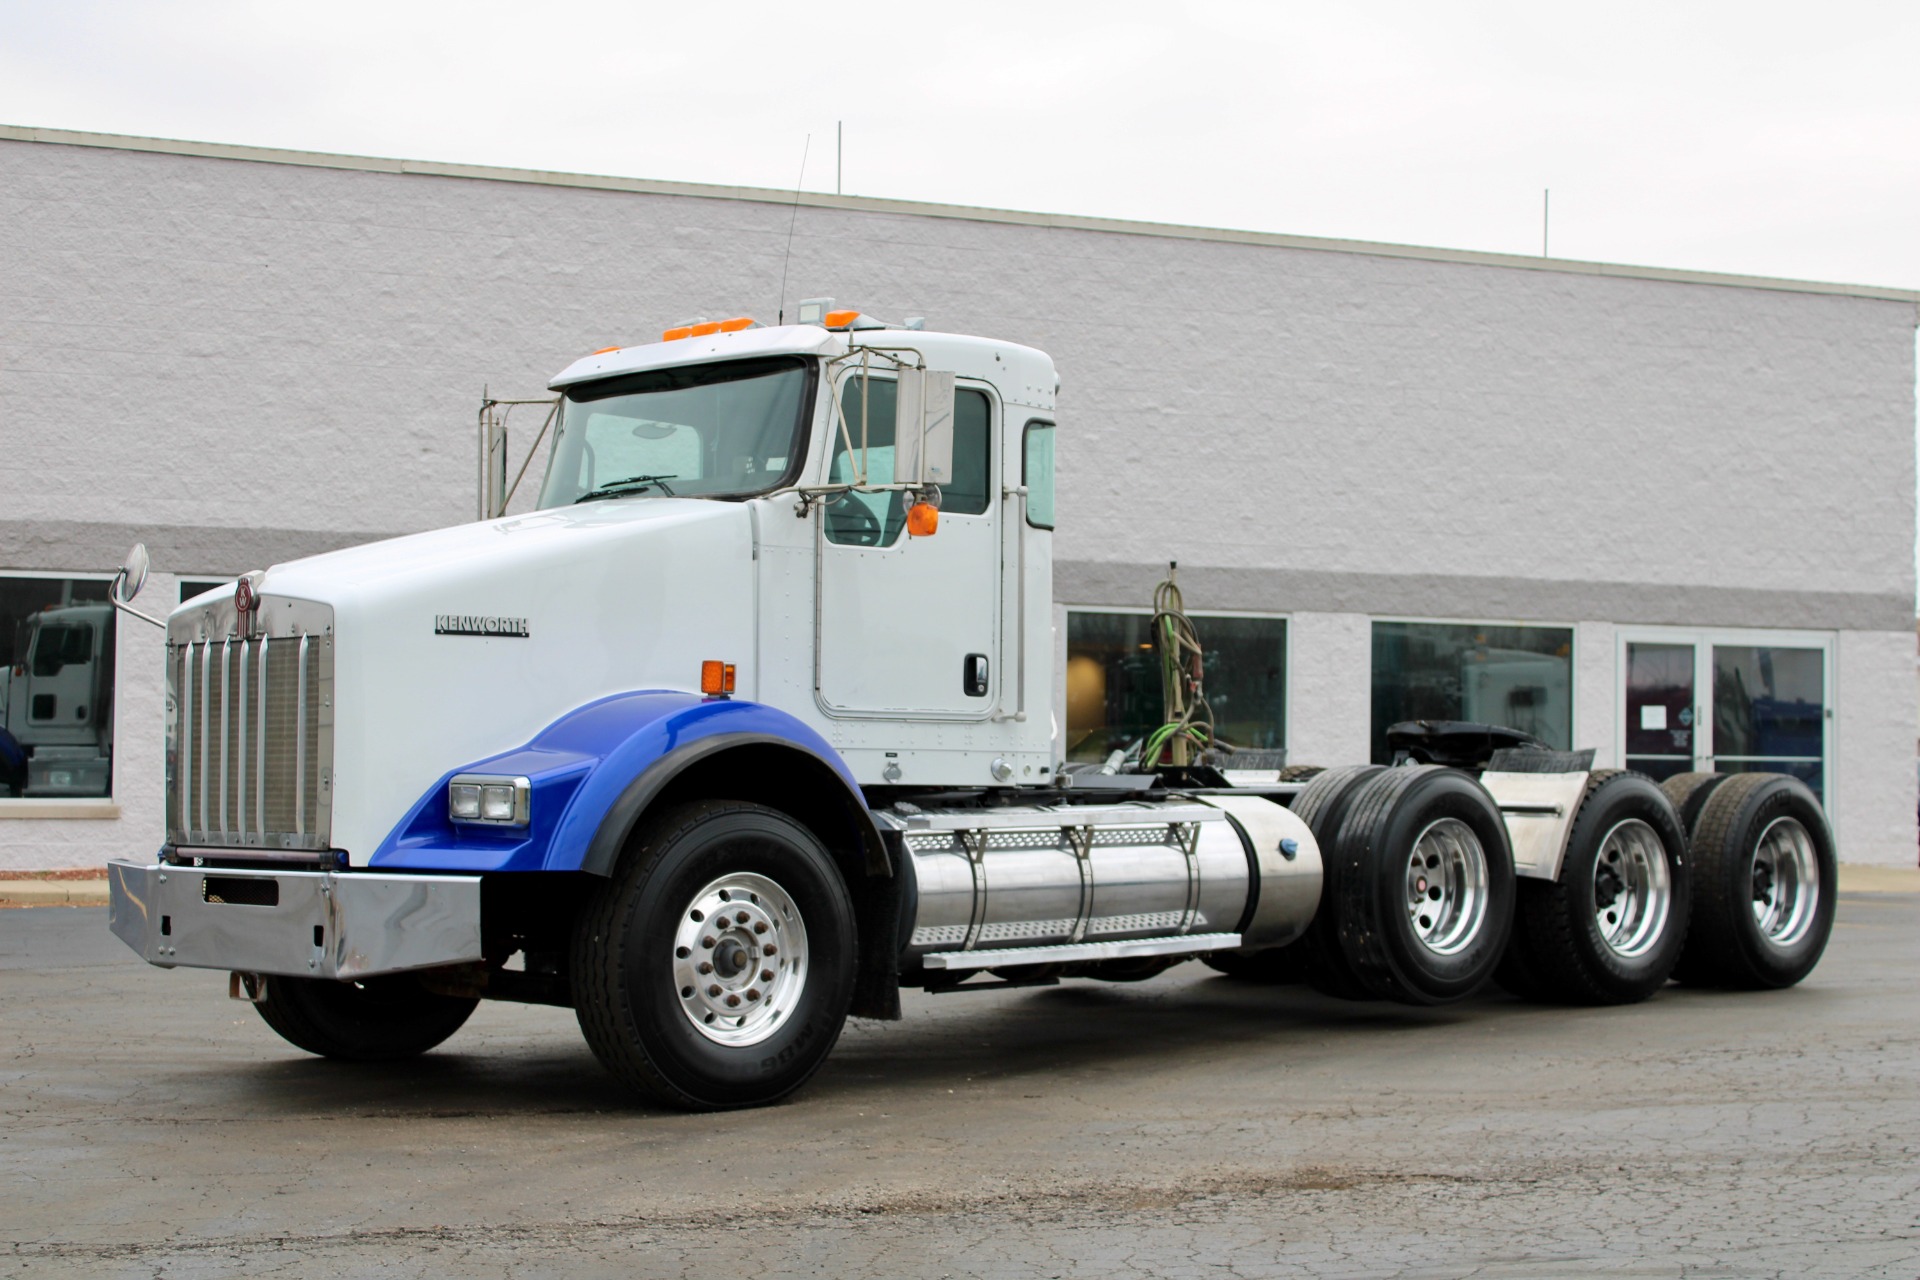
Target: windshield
(705,431)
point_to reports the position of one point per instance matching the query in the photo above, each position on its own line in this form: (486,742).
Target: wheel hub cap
(1446,897)
(1632,889)
(1786,882)
(740,959)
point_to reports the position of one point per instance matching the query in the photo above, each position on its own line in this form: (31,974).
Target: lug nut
(753,993)
(733,1002)
(759,926)
(770,949)
(766,975)
(705,967)
(707,943)
(742,918)
(714,990)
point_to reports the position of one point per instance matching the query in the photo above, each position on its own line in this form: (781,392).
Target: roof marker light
(840,319)
(738,323)
(674,335)
(706,327)
(602,351)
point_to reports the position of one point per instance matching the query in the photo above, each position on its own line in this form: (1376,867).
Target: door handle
(973,676)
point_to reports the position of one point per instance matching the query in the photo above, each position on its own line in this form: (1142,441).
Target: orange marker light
(923,520)
(674,335)
(738,323)
(716,678)
(840,319)
(602,351)
(702,330)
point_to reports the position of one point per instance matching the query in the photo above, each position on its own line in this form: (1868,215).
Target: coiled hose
(1187,728)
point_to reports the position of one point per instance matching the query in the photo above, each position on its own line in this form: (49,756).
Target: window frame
(996,414)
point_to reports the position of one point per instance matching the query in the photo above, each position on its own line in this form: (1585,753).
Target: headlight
(500,802)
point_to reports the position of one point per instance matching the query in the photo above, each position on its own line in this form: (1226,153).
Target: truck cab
(56,704)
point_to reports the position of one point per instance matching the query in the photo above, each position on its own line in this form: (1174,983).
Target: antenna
(839,152)
(1546,198)
(787,261)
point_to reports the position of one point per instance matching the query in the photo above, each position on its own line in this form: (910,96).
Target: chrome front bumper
(311,924)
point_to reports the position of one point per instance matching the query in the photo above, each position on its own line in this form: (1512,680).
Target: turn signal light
(602,351)
(840,319)
(923,520)
(704,328)
(674,335)
(738,323)
(716,678)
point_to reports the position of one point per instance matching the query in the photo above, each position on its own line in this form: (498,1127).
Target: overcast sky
(1756,137)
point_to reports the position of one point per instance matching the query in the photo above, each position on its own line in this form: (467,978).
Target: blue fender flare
(596,770)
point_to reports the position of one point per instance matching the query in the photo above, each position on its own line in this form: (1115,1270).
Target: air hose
(1187,721)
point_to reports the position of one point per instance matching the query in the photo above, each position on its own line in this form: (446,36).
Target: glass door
(1726,701)
(1661,712)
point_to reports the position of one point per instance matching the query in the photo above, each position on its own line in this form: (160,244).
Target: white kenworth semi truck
(747,726)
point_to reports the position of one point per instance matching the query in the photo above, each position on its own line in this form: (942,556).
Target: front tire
(373,1020)
(716,967)
(1611,928)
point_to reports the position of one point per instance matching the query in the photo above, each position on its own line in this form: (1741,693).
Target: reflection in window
(875,519)
(1113,684)
(1036,473)
(56,687)
(1769,711)
(1519,677)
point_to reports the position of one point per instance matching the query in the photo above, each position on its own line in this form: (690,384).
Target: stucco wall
(241,362)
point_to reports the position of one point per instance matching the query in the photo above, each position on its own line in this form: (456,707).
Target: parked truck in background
(747,726)
(56,704)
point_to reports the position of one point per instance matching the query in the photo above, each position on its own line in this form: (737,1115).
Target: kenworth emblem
(473,624)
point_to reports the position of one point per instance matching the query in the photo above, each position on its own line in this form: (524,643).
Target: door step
(1077,952)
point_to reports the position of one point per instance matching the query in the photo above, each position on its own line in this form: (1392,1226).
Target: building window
(1113,686)
(191,587)
(56,687)
(1520,677)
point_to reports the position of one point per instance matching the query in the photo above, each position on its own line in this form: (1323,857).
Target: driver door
(910,626)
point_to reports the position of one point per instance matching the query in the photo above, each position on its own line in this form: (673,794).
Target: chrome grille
(250,727)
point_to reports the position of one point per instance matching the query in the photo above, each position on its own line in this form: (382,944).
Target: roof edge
(914,208)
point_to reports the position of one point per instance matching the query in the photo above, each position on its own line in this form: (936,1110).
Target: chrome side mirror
(132,575)
(127,583)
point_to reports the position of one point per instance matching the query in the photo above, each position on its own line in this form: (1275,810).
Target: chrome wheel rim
(1446,888)
(1632,889)
(1786,882)
(740,959)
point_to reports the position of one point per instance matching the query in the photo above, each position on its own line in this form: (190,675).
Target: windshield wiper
(632,484)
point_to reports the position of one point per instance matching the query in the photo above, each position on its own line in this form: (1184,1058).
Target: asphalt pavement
(1186,1126)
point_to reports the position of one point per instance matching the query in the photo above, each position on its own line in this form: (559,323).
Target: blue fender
(593,772)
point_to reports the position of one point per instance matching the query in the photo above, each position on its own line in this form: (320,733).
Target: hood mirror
(132,575)
(127,583)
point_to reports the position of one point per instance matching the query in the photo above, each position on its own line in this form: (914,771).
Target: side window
(876,519)
(1036,473)
(972,487)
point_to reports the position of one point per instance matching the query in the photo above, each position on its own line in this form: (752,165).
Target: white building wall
(240,362)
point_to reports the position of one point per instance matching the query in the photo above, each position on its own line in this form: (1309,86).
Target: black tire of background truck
(1727,946)
(1322,806)
(1558,953)
(373,1020)
(1688,793)
(624,957)
(1370,875)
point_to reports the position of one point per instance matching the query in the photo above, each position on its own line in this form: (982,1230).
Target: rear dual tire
(1765,875)
(1611,929)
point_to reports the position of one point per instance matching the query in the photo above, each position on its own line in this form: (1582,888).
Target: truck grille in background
(250,735)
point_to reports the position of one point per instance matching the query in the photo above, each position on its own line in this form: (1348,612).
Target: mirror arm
(127,608)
